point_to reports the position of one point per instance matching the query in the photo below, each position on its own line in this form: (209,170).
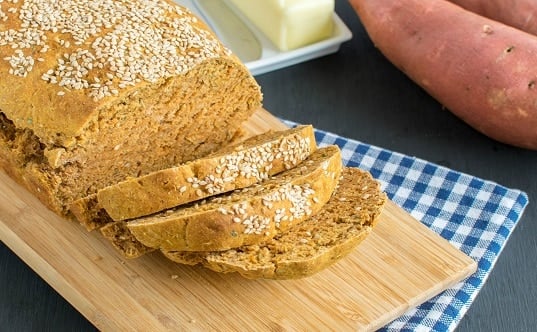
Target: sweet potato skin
(483,71)
(520,14)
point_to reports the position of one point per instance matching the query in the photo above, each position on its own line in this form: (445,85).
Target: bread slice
(310,246)
(233,167)
(245,216)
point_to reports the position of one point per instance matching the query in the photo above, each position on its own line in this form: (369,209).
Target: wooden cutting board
(400,265)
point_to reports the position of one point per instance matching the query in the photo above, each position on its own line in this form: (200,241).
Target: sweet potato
(483,71)
(521,14)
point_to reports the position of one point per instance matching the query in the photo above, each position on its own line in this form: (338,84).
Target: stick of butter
(290,24)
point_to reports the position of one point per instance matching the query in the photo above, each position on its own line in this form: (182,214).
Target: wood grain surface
(400,265)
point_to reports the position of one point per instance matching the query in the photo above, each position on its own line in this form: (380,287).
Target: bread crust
(248,217)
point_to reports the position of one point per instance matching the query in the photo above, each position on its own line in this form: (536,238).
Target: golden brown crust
(246,217)
(309,247)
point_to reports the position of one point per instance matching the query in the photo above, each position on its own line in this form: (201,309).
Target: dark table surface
(358,94)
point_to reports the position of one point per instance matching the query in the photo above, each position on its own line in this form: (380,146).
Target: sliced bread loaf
(310,246)
(246,216)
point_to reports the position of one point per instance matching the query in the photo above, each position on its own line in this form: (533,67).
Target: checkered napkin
(474,215)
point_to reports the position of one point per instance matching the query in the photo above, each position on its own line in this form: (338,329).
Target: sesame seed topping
(294,199)
(117,43)
(253,163)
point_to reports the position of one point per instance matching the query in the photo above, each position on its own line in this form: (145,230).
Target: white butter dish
(257,52)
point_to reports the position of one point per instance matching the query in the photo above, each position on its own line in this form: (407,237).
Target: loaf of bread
(245,216)
(100,101)
(94,92)
(233,167)
(307,247)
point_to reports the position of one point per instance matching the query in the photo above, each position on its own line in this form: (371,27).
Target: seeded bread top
(233,167)
(305,248)
(66,60)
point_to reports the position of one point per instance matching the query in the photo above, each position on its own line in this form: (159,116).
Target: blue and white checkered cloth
(474,215)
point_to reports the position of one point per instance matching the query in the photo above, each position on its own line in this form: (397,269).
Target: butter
(290,24)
